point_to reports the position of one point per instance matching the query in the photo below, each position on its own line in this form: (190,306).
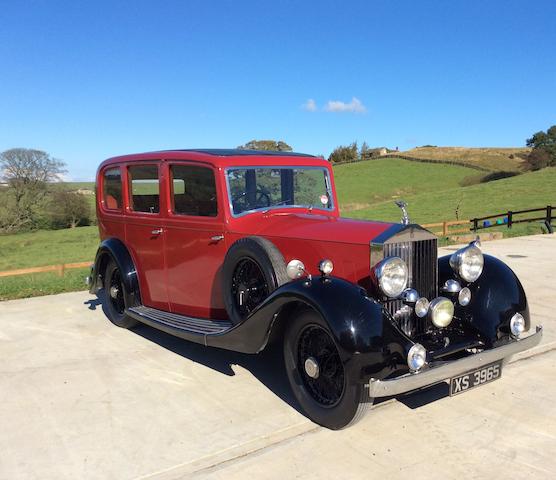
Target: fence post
(61,270)
(444,228)
(510,218)
(548,220)
(475,225)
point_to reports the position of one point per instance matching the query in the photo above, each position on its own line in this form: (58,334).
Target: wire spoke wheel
(320,366)
(116,292)
(249,287)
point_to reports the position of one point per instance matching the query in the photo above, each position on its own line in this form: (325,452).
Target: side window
(193,190)
(112,188)
(144,188)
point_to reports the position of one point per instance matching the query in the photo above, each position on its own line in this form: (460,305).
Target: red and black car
(235,249)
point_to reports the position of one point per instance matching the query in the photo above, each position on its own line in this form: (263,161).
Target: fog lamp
(464,297)
(421,307)
(295,269)
(416,357)
(451,286)
(326,266)
(441,311)
(517,325)
(410,296)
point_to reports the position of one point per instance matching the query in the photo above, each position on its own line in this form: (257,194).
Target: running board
(190,328)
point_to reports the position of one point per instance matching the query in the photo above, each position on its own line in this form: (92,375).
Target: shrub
(69,209)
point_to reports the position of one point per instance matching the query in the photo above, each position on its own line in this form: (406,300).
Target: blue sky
(89,80)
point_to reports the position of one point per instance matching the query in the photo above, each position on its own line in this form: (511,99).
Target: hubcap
(312,367)
(249,287)
(114,290)
(320,366)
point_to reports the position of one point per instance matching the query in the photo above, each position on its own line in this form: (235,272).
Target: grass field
(496,159)
(46,247)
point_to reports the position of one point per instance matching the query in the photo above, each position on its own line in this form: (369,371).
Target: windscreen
(257,188)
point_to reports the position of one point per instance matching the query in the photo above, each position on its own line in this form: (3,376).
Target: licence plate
(469,380)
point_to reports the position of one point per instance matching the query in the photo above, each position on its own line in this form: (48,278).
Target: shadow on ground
(267,366)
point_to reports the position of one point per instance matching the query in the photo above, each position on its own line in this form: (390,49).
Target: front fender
(496,296)
(364,333)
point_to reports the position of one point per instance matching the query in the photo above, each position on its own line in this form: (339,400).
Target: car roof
(224,157)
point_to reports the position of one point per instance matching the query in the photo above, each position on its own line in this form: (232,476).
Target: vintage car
(237,249)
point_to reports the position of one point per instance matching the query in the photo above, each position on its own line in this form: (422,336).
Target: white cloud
(310,105)
(355,106)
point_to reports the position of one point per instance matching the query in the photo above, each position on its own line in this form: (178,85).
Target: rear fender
(112,248)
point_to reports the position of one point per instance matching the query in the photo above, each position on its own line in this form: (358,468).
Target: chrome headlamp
(468,262)
(392,275)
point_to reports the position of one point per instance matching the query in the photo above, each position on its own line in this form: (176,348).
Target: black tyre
(252,270)
(115,297)
(317,375)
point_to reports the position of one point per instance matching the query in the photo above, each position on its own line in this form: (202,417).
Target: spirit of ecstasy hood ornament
(405,216)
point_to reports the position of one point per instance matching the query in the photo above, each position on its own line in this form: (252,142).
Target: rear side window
(112,189)
(193,190)
(144,188)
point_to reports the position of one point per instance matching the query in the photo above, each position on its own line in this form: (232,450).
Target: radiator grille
(421,258)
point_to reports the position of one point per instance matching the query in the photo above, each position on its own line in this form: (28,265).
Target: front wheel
(317,374)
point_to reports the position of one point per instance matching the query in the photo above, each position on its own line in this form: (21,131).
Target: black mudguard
(113,248)
(496,296)
(369,342)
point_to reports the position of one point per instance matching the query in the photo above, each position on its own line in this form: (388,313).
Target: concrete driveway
(80,398)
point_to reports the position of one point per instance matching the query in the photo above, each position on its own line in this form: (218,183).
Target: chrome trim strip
(446,370)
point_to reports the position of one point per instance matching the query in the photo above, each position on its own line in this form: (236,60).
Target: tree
(544,150)
(69,209)
(343,154)
(365,152)
(27,174)
(269,145)
(538,158)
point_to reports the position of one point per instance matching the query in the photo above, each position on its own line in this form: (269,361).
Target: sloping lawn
(362,184)
(46,247)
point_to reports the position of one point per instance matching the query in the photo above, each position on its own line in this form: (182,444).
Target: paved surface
(80,398)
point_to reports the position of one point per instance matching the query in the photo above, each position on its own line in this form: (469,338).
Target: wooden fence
(59,269)
(505,219)
(509,218)
(447,227)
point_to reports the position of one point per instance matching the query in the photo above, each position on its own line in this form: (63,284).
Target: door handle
(216,238)
(156,231)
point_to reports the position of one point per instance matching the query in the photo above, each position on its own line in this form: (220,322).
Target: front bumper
(442,371)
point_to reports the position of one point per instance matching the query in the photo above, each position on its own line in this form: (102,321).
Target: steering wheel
(262,199)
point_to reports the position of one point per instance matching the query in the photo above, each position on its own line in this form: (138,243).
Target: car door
(145,214)
(195,243)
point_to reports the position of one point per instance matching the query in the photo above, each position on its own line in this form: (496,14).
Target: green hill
(530,190)
(363,184)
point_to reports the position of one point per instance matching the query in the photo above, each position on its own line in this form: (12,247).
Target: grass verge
(46,247)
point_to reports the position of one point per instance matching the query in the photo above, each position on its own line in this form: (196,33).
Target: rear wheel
(252,270)
(317,374)
(115,297)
